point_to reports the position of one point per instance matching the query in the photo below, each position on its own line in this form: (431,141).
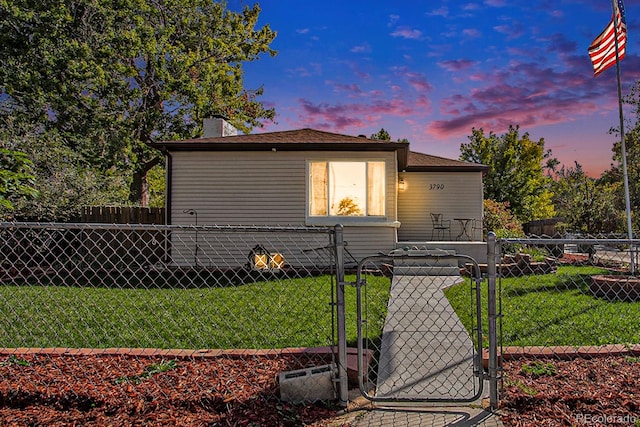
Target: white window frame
(346,219)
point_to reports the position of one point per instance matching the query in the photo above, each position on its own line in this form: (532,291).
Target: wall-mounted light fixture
(192,212)
(402,185)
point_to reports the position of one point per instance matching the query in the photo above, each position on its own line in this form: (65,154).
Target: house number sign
(436,186)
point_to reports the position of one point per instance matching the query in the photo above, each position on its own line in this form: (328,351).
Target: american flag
(602,50)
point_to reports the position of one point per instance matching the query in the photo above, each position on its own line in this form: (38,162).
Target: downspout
(168,184)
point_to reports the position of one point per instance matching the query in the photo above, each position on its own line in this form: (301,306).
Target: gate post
(343,390)
(491,318)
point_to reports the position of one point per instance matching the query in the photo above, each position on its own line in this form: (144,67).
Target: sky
(430,71)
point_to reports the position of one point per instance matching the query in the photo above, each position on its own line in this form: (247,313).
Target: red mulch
(115,391)
(596,392)
(573,259)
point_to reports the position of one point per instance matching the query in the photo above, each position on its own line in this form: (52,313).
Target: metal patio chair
(440,225)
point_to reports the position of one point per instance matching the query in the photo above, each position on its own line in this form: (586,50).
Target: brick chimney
(217,126)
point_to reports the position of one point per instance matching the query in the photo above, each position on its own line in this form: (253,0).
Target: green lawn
(555,309)
(266,314)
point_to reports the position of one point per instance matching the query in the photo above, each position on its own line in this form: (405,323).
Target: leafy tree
(16,180)
(382,135)
(516,173)
(110,77)
(63,182)
(498,218)
(614,175)
(156,178)
(586,204)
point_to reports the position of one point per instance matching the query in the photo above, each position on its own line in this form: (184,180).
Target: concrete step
(425,270)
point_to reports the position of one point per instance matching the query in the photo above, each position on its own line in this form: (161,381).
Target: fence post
(491,318)
(343,391)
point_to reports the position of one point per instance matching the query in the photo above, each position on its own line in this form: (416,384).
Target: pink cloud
(351,90)
(456,65)
(407,33)
(472,32)
(417,81)
(344,117)
(525,94)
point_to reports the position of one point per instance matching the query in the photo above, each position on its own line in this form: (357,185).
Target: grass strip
(554,309)
(271,314)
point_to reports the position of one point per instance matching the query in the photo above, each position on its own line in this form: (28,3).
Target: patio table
(464,228)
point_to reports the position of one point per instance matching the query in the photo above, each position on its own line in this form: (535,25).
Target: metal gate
(420,339)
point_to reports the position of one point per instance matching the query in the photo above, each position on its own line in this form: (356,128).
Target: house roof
(300,139)
(420,162)
(315,140)
(289,140)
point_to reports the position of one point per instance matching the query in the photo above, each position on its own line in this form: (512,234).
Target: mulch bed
(38,390)
(98,390)
(596,392)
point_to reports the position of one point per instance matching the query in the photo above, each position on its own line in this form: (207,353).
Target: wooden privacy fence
(122,215)
(542,227)
(105,245)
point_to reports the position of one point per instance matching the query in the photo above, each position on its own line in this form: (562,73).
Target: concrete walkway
(426,417)
(426,353)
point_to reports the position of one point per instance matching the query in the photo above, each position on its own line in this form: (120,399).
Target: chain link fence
(143,301)
(569,308)
(420,349)
(568,295)
(207,319)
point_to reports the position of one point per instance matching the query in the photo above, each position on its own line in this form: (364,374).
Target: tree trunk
(139,188)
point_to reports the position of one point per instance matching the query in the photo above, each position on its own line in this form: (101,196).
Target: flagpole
(622,143)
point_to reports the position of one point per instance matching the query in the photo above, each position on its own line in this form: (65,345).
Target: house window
(347,188)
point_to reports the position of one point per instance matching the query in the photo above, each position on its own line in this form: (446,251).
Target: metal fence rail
(149,290)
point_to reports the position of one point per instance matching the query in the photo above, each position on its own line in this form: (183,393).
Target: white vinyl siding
(454,194)
(267,188)
(261,188)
